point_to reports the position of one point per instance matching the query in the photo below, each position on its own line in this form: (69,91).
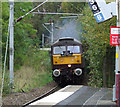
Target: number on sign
(91,1)
(99,17)
(94,7)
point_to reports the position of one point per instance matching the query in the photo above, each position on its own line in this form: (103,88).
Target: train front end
(67,61)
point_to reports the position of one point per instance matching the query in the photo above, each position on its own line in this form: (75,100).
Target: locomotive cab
(67,61)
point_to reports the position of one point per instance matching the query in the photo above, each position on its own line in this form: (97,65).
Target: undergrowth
(35,72)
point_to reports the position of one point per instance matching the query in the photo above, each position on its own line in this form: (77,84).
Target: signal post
(117,72)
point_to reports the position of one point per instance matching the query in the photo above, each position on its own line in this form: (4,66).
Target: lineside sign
(101,10)
(114,35)
(96,11)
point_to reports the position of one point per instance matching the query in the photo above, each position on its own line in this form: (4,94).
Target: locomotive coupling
(78,71)
(56,73)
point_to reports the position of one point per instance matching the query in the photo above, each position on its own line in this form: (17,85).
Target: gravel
(21,98)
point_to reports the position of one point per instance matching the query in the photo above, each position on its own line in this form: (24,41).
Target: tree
(97,38)
(24,32)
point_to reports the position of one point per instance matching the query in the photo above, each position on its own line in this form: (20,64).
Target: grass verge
(34,73)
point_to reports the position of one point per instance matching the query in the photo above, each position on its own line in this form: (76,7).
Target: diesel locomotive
(67,61)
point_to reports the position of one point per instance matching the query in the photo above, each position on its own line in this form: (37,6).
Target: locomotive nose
(56,73)
(78,71)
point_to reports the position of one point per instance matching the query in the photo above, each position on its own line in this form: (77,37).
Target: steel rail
(42,96)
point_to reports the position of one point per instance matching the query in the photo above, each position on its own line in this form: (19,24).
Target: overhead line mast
(11,45)
(11,42)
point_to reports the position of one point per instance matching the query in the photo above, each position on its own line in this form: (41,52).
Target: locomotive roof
(67,40)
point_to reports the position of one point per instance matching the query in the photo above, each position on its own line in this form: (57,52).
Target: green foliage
(24,33)
(36,71)
(96,37)
(5,21)
(38,20)
(39,60)
(27,40)
(6,84)
(23,40)
(72,7)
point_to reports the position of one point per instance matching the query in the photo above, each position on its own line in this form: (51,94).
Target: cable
(5,63)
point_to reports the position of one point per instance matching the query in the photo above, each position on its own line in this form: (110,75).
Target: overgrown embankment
(35,72)
(31,66)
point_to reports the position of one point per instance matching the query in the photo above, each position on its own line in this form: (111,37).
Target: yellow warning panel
(74,59)
(116,55)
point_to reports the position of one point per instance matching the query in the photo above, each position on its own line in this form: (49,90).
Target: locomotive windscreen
(71,49)
(58,49)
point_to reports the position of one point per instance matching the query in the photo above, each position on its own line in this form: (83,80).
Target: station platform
(78,95)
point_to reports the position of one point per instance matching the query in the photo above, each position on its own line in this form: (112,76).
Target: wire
(56,13)
(5,63)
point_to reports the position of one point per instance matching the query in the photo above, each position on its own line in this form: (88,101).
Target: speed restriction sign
(101,10)
(99,17)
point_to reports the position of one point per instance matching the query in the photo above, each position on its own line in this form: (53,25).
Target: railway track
(74,95)
(42,96)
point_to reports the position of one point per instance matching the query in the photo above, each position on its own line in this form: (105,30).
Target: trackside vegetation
(98,52)
(34,73)
(32,66)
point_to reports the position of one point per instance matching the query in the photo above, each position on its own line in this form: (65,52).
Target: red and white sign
(114,35)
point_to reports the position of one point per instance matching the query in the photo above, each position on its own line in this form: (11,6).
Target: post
(118,46)
(118,89)
(117,65)
(11,46)
(43,40)
(0,53)
(52,33)
(117,59)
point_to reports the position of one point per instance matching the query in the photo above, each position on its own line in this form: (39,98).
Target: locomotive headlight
(56,73)
(69,65)
(78,71)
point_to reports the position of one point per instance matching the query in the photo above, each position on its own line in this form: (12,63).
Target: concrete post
(11,45)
